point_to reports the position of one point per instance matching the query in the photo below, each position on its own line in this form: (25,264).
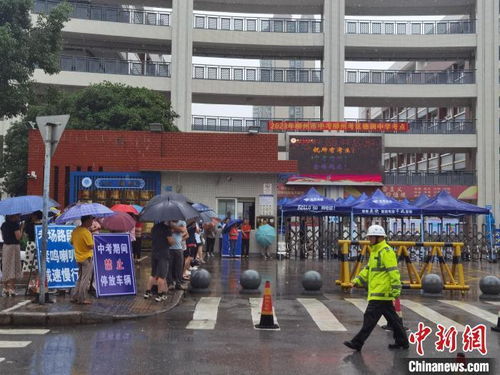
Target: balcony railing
(410,27)
(242,124)
(433,126)
(110,13)
(253,73)
(402,77)
(235,124)
(114,66)
(274,25)
(430,178)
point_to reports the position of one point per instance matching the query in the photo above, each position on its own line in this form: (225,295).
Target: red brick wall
(122,151)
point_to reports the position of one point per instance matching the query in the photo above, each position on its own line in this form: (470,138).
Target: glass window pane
(163,70)
(81,11)
(303,26)
(389,28)
(164,19)
(265,75)
(316,76)
(291,75)
(199,22)
(364,27)
(428,28)
(225,23)
(278,26)
(238,24)
(111,15)
(212,72)
(278,75)
(441,27)
(96,14)
(351,27)
(376,77)
(376,28)
(138,17)
(224,122)
(251,25)
(151,18)
(251,74)
(265,25)
(401,27)
(198,123)
(303,76)
(316,26)
(291,27)
(199,72)
(238,74)
(125,16)
(225,73)
(364,77)
(351,77)
(416,28)
(212,23)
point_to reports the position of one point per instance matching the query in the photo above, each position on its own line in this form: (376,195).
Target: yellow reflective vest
(381,274)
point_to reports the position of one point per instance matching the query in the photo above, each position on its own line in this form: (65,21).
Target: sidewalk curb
(23,318)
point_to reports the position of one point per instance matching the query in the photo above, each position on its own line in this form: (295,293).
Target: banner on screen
(347,126)
(62,270)
(337,160)
(113,266)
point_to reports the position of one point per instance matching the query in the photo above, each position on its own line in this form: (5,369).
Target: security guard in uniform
(381,276)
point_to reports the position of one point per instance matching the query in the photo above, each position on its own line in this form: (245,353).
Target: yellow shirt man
(83,242)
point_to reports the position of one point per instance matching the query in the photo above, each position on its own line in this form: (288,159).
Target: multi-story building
(152,43)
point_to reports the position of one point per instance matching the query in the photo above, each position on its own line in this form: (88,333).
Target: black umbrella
(165,208)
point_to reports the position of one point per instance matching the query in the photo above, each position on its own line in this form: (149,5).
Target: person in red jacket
(245,238)
(233,238)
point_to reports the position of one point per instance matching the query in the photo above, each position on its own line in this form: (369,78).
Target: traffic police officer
(381,276)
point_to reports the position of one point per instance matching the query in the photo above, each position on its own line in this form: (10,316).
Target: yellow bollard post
(360,259)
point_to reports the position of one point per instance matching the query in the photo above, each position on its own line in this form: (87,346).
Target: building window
(226,207)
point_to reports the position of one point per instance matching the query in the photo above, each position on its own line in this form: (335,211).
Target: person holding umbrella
(12,231)
(83,242)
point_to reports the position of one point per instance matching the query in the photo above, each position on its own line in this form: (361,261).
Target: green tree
(25,46)
(103,106)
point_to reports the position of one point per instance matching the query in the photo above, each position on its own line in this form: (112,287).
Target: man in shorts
(180,234)
(162,239)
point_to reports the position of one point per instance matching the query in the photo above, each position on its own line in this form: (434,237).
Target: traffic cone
(266,314)
(497,328)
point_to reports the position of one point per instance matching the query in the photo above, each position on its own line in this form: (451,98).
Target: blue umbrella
(265,235)
(230,224)
(200,207)
(23,205)
(84,209)
(138,208)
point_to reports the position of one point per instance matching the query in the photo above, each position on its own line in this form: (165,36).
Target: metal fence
(257,24)
(114,66)
(316,237)
(241,124)
(109,13)
(430,178)
(417,77)
(253,73)
(234,124)
(398,27)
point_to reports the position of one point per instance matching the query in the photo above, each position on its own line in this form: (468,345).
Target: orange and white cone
(266,314)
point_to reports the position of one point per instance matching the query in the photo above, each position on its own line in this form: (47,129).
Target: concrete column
(182,59)
(487,112)
(333,60)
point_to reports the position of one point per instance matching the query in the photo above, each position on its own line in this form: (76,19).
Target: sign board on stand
(113,265)
(62,270)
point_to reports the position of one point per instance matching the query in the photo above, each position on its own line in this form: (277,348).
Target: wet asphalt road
(163,345)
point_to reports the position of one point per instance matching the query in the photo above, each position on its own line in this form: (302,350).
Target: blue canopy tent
(311,203)
(444,204)
(380,204)
(421,199)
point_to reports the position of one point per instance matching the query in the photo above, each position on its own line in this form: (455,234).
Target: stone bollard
(432,285)
(312,282)
(200,280)
(250,281)
(490,286)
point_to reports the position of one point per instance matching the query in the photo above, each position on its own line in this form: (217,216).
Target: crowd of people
(178,247)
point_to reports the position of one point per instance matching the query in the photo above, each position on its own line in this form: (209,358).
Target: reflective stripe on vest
(377,294)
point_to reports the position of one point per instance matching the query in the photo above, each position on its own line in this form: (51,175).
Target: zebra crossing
(331,315)
(7,341)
